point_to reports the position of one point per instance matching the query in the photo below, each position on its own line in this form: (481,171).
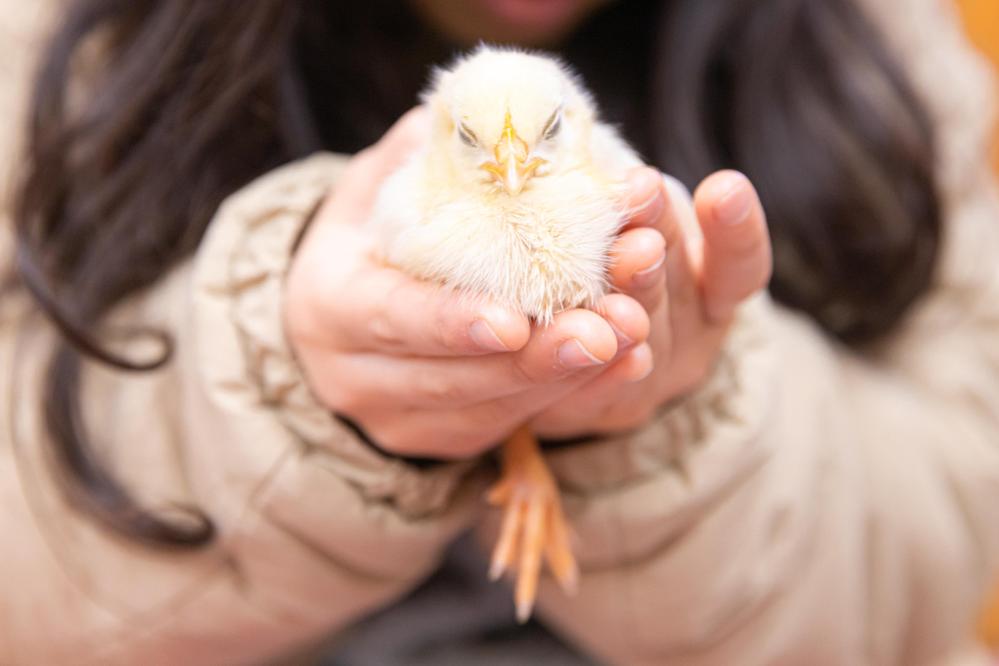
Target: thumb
(737,253)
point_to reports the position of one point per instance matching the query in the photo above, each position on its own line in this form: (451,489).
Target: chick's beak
(512,169)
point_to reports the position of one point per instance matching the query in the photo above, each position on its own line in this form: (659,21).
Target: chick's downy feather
(517,194)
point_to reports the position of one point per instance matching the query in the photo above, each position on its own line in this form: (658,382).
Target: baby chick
(517,197)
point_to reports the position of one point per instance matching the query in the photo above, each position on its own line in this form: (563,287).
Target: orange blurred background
(981,18)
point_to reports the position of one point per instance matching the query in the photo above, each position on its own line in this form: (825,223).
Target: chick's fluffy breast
(541,252)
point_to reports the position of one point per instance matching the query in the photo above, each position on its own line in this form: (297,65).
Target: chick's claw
(558,550)
(533,526)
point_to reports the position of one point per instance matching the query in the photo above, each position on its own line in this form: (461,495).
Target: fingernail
(735,204)
(573,355)
(649,276)
(485,337)
(652,208)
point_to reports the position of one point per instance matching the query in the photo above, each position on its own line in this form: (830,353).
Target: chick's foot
(533,523)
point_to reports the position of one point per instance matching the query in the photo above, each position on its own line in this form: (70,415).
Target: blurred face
(527,22)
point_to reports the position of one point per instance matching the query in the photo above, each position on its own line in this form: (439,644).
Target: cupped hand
(422,370)
(426,372)
(690,263)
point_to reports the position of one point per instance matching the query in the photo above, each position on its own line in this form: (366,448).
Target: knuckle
(382,330)
(440,390)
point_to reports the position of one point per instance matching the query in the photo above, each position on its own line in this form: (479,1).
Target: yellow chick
(517,197)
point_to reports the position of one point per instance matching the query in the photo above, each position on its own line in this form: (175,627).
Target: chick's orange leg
(533,526)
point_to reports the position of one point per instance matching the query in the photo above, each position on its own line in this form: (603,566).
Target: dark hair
(802,96)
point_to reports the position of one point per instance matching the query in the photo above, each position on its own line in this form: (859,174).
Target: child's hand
(426,373)
(422,371)
(717,254)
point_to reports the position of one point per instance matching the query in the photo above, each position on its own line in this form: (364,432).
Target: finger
(460,433)
(359,183)
(638,266)
(656,202)
(645,199)
(662,203)
(576,340)
(370,381)
(685,217)
(674,220)
(631,325)
(463,432)
(536,374)
(576,346)
(737,253)
(389,312)
(587,407)
(628,319)
(448,383)
(681,322)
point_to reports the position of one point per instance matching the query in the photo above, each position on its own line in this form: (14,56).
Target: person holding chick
(807,478)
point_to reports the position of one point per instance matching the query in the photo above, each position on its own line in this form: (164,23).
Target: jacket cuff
(254,237)
(699,443)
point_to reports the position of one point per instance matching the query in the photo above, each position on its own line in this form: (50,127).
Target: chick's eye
(554,125)
(467,136)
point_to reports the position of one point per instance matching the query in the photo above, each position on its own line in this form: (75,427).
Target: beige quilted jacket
(807,506)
